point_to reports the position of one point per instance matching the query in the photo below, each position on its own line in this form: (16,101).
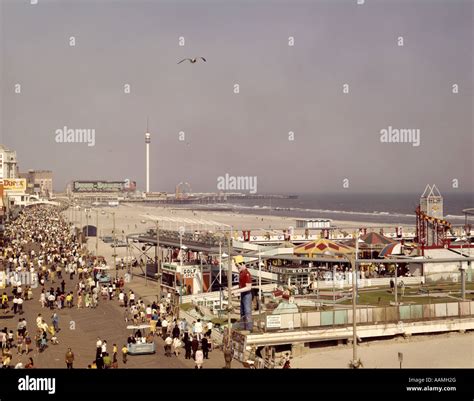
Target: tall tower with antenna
(147,146)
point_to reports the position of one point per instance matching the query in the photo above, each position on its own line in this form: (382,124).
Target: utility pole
(396,285)
(259,285)
(115,247)
(202,274)
(87,224)
(220,274)
(334,294)
(463,282)
(97,233)
(229,287)
(355,363)
(158,259)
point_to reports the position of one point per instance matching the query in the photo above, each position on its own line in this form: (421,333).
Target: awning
(323,247)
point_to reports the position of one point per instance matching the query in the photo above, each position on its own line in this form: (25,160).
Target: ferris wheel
(183,189)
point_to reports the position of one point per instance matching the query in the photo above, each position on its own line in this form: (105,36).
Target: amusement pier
(314,282)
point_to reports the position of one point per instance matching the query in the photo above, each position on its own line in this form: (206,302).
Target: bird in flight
(192,60)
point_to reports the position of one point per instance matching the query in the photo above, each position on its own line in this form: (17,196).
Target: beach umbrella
(391,249)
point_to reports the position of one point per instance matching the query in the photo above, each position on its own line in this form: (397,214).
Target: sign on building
(189,272)
(98,186)
(14,185)
(1,166)
(273,322)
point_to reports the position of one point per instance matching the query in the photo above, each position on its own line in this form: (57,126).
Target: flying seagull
(192,60)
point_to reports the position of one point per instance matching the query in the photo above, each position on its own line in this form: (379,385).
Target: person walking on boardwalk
(98,348)
(164,328)
(187,346)
(228,355)
(124,354)
(69,358)
(194,346)
(114,353)
(168,344)
(205,347)
(199,359)
(55,321)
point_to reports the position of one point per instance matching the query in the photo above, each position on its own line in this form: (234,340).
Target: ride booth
(195,279)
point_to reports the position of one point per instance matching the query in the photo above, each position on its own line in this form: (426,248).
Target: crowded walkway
(56,299)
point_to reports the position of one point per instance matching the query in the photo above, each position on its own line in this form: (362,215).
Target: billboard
(98,186)
(14,184)
(129,186)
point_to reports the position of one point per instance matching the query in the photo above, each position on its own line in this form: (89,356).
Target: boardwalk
(80,329)
(41,241)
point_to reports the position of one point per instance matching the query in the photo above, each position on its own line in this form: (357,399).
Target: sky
(337,137)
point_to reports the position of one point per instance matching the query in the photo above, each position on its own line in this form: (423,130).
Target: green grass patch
(383,298)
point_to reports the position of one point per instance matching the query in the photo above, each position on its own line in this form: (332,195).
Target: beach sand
(134,218)
(138,218)
(450,350)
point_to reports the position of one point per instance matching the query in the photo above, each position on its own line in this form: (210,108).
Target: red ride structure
(431,228)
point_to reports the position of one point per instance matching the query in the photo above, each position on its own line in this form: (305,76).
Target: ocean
(377,208)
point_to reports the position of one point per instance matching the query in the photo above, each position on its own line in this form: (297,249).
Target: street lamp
(115,242)
(396,285)
(96,233)
(115,247)
(229,284)
(230,235)
(158,259)
(462,270)
(259,284)
(181,247)
(221,255)
(355,363)
(87,224)
(202,280)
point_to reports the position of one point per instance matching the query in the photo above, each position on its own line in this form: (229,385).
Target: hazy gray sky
(282,89)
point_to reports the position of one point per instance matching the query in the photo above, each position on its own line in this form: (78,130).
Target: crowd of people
(177,334)
(42,250)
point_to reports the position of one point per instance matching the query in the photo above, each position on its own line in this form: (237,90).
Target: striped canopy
(394,248)
(322,247)
(374,239)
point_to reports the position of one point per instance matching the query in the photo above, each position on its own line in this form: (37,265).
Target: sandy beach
(133,218)
(138,218)
(452,350)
